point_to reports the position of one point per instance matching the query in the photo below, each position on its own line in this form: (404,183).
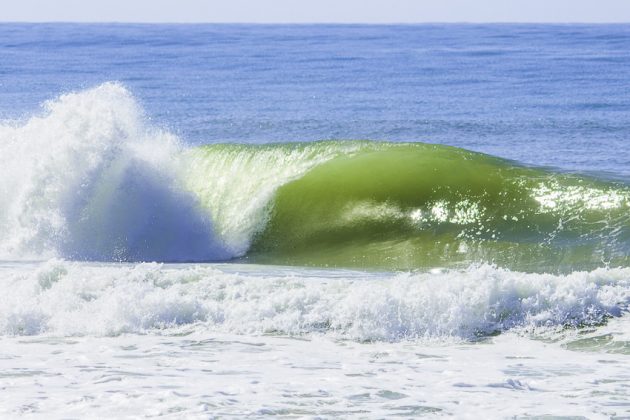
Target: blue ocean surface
(549,95)
(314,221)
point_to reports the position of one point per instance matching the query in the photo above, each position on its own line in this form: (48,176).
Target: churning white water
(199,341)
(88,179)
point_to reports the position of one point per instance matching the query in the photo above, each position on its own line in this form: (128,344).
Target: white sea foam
(89,179)
(70,298)
(135,340)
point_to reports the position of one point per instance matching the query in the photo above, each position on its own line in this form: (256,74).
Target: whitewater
(147,273)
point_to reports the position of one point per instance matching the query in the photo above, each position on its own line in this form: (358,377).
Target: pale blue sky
(352,11)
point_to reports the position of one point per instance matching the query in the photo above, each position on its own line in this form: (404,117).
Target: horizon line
(463,22)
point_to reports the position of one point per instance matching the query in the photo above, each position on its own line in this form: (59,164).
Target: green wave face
(406,206)
(419,206)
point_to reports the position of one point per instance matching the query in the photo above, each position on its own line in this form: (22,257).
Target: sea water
(314,221)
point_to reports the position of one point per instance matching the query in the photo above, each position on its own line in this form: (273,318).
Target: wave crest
(89,179)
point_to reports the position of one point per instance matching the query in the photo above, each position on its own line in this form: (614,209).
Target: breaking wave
(91,179)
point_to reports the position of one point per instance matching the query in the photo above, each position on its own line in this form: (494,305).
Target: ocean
(314,221)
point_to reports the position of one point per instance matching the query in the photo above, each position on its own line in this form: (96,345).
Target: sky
(315,11)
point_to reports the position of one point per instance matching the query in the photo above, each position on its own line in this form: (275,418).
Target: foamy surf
(62,298)
(246,340)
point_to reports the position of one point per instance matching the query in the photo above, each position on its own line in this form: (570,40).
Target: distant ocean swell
(90,179)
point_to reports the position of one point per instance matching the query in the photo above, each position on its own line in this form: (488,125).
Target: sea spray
(89,179)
